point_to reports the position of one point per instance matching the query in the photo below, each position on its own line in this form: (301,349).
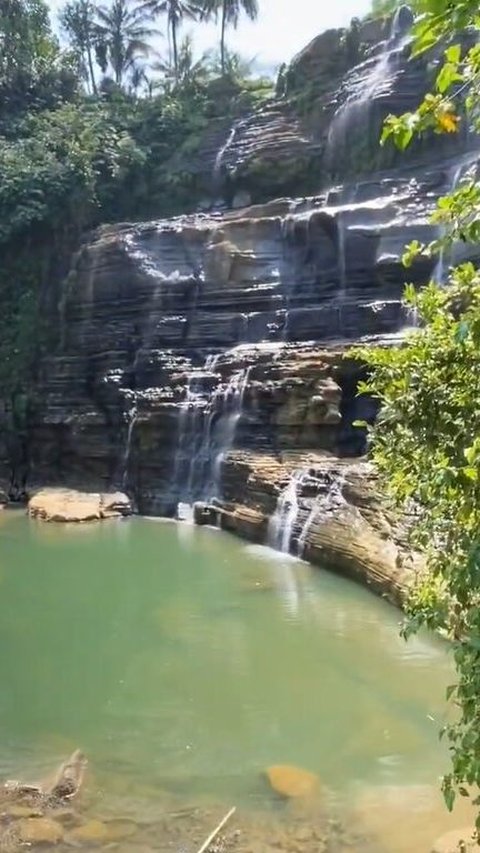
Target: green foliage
(426,441)
(70,160)
(34,73)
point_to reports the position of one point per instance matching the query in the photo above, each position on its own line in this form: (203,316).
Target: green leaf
(449,797)
(447,77)
(471,454)
(453,53)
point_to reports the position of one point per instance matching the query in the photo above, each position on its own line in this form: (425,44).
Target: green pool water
(182,660)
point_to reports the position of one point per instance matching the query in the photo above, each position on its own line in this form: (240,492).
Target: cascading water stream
(445,257)
(207,430)
(282,522)
(132,415)
(354,113)
(231,407)
(285,520)
(331,500)
(217,168)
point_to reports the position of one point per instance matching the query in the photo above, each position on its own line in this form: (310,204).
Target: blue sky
(283,28)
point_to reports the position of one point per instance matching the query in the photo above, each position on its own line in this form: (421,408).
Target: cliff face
(202,357)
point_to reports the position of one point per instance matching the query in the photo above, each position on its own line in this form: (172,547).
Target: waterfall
(331,500)
(282,522)
(352,117)
(131,420)
(207,431)
(445,258)
(217,168)
(230,408)
(192,413)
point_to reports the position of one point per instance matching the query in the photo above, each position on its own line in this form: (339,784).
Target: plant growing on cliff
(426,442)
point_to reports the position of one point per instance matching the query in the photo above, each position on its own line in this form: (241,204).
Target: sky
(282,29)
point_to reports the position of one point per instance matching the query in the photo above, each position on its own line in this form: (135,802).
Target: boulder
(97,832)
(68,505)
(205,515)
(40,830)
(93,832)
(290,781)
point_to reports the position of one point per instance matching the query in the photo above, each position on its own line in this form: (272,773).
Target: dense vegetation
(427,440)
(93,128)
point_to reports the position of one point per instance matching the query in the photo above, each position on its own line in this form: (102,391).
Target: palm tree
(124,30)
(189,72)
(230,11)
(77,19)
(176,11)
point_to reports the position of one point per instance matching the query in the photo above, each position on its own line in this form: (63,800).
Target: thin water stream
(184,663)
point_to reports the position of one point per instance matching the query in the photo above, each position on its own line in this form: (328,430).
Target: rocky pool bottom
(185,664)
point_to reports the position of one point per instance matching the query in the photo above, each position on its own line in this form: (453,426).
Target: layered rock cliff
(202,358)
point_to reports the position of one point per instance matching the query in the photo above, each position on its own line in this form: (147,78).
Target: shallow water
(184,662)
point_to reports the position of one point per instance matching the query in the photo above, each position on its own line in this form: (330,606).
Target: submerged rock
(40,830)
(92,832)
(97,832)
(290,781)
(69,505)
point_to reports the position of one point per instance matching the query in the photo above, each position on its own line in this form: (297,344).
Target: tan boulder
(118,830)
(54,504)
(97,832)
(93,832)
(290,781)
(40,830)
(17,811)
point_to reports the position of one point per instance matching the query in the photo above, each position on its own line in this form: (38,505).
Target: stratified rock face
(323,509)
(198,351)
(326,125)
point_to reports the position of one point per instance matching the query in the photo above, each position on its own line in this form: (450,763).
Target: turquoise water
(182,660)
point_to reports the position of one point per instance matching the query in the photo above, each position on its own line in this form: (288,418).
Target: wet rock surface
(291,782)
(335,515)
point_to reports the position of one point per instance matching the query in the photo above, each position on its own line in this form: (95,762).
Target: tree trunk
(222,36)
(175,48)
(90,68)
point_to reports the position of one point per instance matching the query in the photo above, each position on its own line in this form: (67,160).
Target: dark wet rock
(205,515)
